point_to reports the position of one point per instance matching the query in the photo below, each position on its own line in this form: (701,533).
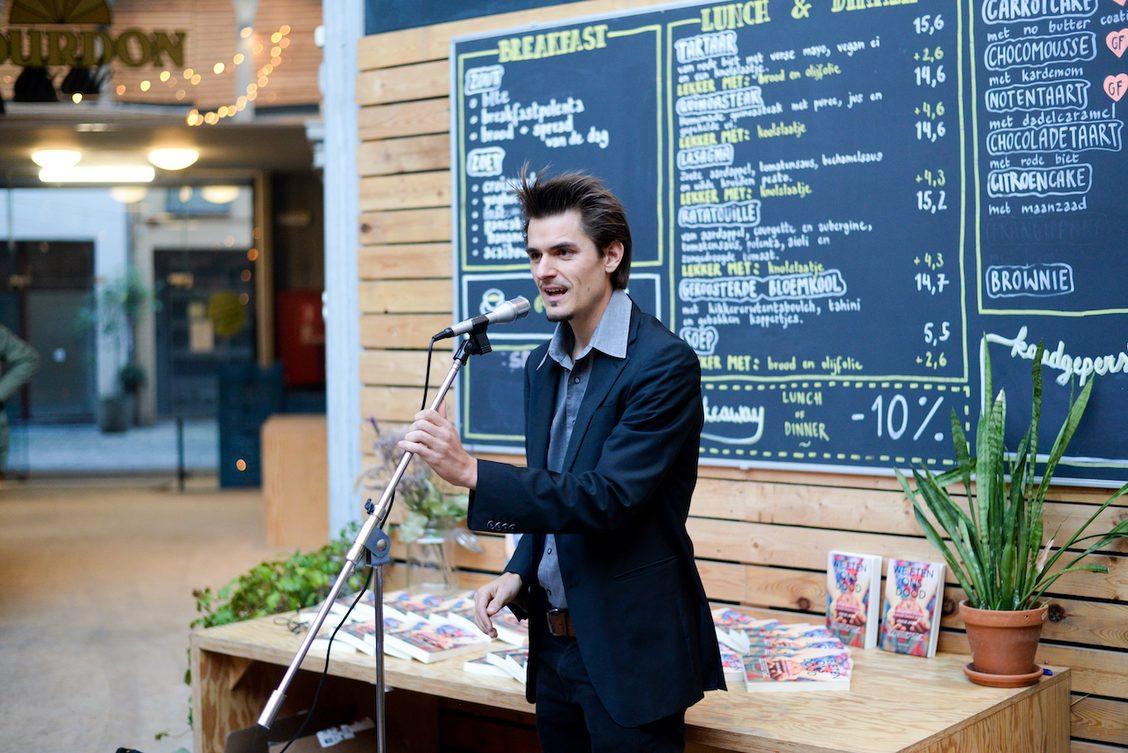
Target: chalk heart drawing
(1116,86)
(1117,41)
(1120,2)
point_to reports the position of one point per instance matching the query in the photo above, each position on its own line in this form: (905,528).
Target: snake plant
(994,547)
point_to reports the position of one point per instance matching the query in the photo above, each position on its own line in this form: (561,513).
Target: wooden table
(895,703)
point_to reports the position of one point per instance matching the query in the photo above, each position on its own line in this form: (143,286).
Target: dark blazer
(618,510)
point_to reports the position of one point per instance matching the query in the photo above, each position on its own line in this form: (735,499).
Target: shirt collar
(610,336)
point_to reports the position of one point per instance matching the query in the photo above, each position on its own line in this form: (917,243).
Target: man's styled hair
(601,213)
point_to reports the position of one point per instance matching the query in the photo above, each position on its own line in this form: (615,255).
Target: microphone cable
(427,373)
(328,653)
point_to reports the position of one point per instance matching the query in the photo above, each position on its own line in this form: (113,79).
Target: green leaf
(964,465)
(1035,415)
(1065,435)
(1116,532)
(1044,586)
(1006,579)
(994,548)
(965,578)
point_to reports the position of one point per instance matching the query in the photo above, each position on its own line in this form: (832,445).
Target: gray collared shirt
(609,338)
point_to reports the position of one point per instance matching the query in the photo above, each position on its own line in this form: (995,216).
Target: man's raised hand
(434,439)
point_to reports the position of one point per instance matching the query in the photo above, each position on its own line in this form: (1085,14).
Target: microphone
(503,314)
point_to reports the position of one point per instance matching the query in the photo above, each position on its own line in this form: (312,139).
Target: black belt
(560,623)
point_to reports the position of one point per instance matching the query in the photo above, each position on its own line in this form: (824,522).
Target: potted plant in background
(994,547)
(113,312)
(434,521)
(132,379)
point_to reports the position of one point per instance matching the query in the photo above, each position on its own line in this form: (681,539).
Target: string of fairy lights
(191,77)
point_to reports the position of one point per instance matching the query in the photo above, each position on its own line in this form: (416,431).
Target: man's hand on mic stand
(434,439)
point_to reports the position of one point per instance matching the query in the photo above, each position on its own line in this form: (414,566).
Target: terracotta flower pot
(1003,644)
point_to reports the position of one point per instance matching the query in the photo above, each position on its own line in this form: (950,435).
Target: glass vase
(430,562)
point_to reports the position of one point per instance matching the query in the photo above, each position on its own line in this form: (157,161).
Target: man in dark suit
(621,637)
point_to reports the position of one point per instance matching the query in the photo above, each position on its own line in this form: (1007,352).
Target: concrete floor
(95,599)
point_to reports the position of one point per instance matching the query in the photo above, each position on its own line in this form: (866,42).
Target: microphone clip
(477,343)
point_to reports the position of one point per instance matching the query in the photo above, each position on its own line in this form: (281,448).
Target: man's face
(573,279)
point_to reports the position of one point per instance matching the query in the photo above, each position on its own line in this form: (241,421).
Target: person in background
(18,363)
(621,640)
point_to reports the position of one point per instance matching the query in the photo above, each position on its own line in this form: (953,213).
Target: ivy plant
(295,582)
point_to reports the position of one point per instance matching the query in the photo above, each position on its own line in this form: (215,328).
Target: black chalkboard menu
(841,205)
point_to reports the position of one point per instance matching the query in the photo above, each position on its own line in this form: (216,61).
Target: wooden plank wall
(761,536)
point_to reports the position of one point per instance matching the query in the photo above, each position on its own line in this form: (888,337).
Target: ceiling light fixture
(98,174)
(54,158)
(128,194)
(173,158)
(220,194)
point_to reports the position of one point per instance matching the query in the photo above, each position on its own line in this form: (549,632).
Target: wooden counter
(895,704)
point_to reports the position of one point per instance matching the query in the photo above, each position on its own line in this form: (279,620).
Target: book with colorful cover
(910,614)
(730,618)
(362,636)
(483,666)
(366,607)
(458,602)
(461,604)
(510,629)
(321,642)
(732,664)
(515,661)
(339,609)
(853,596)
(466,622)
(783,645)
(404,603)
(435,640)
(786,648)
(817,669)
(733,626)
(797,635)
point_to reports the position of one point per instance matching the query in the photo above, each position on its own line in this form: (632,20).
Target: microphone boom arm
(371,540)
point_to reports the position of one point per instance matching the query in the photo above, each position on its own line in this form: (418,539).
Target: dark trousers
(571,718)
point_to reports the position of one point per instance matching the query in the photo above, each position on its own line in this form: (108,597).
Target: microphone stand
(373,544)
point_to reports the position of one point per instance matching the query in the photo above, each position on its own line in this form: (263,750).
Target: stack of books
(402,603)
(766,656)
(423,627)
(510,662)
(509,629)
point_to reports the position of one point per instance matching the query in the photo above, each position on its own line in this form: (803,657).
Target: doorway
(206,317)
(49,284)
